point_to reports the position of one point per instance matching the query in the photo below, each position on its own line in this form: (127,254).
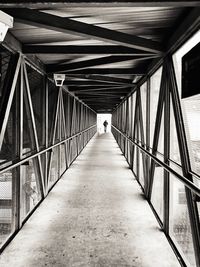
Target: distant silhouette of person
(105,124)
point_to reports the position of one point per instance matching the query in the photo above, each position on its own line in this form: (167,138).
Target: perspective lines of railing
(191,185)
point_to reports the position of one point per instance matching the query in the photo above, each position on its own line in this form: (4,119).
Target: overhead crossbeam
(83,50)
(97,88)
(102,78)
(65,25)
(104,97)
(93,90)
(124,71)
(119,96)
(122,92)
(86,83)
(119,91)
(92,63)
(100,3)
(114,91)
(102,105)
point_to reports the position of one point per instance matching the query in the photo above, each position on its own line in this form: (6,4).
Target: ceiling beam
(122,91)
(101,106)
(110,104)
(97,88)
(93,98)
(83,50)
(103,78)
(94,89)
(103,99)
(124,71)
(97,106)
(65,25)
(90,94)
(98,3)
(104,111)
(92,62)
(100,96)
(86,83)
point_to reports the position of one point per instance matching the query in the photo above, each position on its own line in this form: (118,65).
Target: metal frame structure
(46,128)
(133,137)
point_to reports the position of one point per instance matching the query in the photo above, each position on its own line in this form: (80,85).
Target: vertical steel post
(147,134)
(166,187)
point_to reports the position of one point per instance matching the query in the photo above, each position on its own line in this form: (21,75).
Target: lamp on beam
(59,79)
(6,22)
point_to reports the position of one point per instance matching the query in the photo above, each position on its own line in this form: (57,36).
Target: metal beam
(104,111)
(86,83)
(83,50)
(124,71)
(98,3)
(82,95)
(90,96)
(66,25)
(104,79)
(100,96)
(101,100)
(100,89)
(100,92)
(92,62)
(101,105)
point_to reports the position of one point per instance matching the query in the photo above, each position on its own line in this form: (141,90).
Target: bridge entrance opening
(101,118)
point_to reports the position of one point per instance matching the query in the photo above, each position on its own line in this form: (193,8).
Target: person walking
(105,124)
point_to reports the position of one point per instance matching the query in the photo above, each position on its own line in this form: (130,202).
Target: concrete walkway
(94,216)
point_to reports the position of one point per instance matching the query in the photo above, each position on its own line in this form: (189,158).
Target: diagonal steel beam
(66,25)
(83,50)
(86,84)
(102,105)
(103,78)
(93,89)
(90,96)
(119,93)
(100,3)
(93,62)
(103,99)
(124,71)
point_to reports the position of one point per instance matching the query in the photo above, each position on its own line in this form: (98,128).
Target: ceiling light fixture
(59,79)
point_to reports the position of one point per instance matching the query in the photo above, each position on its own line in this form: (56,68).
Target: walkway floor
(94,216)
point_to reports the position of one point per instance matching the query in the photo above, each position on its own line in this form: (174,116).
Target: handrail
(182,178)
(43,151)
